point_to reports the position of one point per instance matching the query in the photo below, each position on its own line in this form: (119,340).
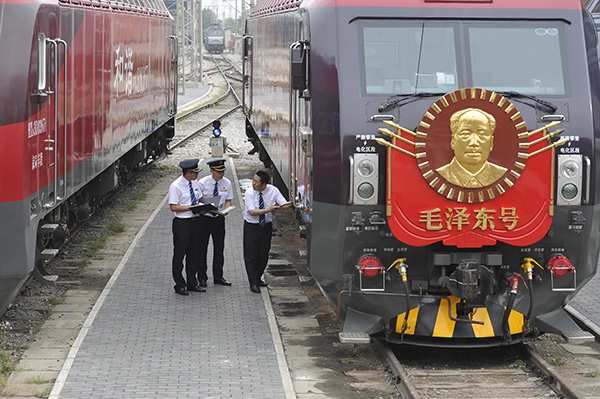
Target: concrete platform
(142,340)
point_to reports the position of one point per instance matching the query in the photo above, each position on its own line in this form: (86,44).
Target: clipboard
(214,201)
(203,207)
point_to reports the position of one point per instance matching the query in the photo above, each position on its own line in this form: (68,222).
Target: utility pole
(189,34)
(199,40)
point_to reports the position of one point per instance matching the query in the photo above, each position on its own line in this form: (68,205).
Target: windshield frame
(463,53)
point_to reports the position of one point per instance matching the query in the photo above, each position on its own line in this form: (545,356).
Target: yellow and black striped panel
(432,320)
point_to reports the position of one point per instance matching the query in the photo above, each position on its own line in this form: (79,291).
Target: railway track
(220,105)
(505,372)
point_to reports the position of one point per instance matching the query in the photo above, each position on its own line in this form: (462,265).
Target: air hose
(513,281)
(401,266)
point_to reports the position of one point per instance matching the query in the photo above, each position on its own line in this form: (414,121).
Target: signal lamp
(216,128)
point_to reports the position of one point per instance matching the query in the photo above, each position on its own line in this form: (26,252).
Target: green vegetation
(519,363)
(36,380)
(116,227)
(559,362)
(97,243)
(44,394)
(6,364)
(141,195)
(55,300)
(592,374)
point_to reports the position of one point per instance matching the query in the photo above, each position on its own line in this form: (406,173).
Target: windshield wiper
(549,107)
(403,99)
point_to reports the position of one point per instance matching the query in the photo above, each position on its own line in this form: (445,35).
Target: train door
(52,80)
(301,128)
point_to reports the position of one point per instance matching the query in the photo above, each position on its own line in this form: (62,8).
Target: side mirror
(298,57)
(40,95)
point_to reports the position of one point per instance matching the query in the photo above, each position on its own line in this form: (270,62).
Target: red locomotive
(88,92)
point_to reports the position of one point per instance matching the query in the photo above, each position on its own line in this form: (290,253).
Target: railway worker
(472,142)
(184,192)
(260,201)
(214,185)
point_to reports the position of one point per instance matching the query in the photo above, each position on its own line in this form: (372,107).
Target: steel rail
(403,384)
(555,380)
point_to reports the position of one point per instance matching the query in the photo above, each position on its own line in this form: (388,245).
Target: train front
(454,162)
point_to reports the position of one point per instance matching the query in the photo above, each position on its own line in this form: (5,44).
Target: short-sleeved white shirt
(179,194)
(224,187)
(271,196)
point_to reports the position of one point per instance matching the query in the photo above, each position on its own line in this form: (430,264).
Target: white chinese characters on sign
(35,128)
(124,75)
(37,161)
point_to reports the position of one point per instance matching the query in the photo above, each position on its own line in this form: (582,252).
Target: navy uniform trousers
(257,243)
(214,227)
(185,239)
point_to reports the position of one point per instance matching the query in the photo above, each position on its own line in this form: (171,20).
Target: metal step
(354,338)
(48,228)
(577,337)
(306,281)
(42,276)
(48,254)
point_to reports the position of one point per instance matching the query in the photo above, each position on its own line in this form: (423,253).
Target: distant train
(88,93)
(214,39)
(442,154)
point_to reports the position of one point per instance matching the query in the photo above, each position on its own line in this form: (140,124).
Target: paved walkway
(142,340)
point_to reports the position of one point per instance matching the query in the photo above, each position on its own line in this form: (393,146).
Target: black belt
(256,224)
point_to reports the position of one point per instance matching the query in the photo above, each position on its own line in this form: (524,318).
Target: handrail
(52,142)
(64,43)
(293,144)
(588,179)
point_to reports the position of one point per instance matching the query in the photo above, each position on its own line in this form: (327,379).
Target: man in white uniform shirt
(214,185)
(183,193)
(260,202)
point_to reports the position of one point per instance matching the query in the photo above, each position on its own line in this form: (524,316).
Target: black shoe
(196,288)
(262,283)
(222,281)
(255,289)
(181,291)
(202,283)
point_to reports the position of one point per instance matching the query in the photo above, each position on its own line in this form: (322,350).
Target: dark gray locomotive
(353,105)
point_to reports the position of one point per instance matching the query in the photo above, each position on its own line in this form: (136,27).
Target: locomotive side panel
(271,40)
(74,107)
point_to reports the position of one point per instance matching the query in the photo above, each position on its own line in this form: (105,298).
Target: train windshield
(435,57)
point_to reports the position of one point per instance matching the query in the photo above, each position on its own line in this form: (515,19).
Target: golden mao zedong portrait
(472,142)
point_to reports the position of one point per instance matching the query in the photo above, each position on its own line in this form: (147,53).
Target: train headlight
(365,167)
(569,179)
(570,169)
(569,191)
(365,191)
(364,179)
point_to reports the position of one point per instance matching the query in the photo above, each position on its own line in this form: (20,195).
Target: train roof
(264,7)
(148,7)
